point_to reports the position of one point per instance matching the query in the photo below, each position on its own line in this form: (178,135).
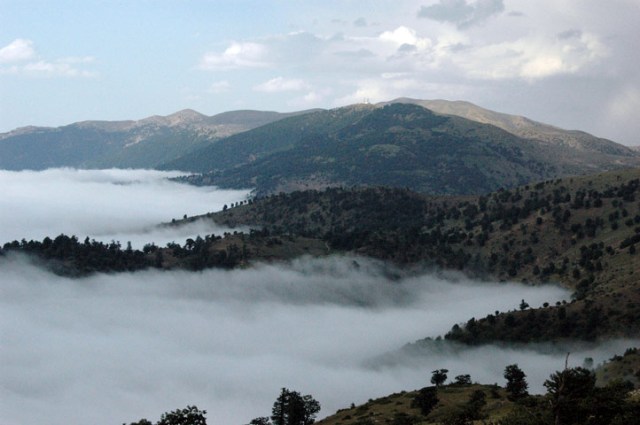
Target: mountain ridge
(143,143)
(397,144)
(476,150)
(516,124)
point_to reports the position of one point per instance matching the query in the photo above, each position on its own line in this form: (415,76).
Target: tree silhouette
(566,390)
(291,408)
(516,383)
(187,416)
(438,376)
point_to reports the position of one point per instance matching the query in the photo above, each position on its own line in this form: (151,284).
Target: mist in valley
(120,205)
(109,349)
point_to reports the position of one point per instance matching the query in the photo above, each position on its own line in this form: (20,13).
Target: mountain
(263,141)
(430,146)
(397,144)
(144,143)
(522,126)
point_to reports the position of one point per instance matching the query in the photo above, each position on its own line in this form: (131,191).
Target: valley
(369,215)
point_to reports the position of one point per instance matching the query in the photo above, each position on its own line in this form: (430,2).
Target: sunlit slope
(580,142)
(398,145)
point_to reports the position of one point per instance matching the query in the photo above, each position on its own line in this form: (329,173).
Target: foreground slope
(572,398)
(400,145)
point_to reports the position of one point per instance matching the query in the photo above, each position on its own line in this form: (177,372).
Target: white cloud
(62,68)
(313,97)
(386,87)
(405,36)
(531,58)
(22,59)
(367,91)
(237,55)
(18,50)
(280,84)
(392,85)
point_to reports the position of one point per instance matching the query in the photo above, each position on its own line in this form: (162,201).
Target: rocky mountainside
(144,143)
(399,145)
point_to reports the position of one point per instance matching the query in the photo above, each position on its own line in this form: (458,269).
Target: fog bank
(109,349)
(124,205)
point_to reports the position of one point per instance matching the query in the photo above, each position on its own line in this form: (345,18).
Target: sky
(571,63)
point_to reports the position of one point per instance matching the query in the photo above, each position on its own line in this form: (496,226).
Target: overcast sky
(572,63)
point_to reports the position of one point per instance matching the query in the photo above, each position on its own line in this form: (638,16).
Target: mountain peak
(185,116)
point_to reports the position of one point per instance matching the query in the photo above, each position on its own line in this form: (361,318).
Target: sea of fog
(110,349)
(106,205)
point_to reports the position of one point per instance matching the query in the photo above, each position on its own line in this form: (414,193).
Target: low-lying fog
(114,348)
(121,205)
(110,349)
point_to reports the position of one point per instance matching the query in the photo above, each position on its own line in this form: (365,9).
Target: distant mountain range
(431,146)
(145,143)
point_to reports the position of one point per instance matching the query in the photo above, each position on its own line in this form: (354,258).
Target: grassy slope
(452,398)
(624,366)
(385,409)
